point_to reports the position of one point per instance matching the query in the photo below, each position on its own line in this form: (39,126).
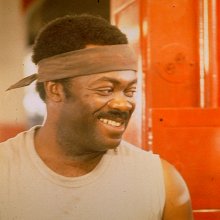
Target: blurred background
(177,45)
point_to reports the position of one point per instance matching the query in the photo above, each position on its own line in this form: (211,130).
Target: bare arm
(178,204)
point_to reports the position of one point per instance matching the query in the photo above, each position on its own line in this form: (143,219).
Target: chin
(112,144)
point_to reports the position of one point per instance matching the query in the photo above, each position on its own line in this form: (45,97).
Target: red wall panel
(213,215)
(190,139)
(172,78)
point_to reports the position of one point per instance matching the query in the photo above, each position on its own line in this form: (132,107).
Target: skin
(78,139)
(78,136)
(178,203)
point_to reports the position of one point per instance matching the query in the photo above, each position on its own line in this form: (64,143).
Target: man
(75,166)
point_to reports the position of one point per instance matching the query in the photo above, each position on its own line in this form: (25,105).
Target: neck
(60,161)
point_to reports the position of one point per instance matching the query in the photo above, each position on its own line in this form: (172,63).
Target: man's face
(96,114)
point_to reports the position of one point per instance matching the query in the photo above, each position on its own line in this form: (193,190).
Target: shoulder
(9,149)
(12,147)
(145,162)
(140,157)
(178,203)
(126,147)
(11,142)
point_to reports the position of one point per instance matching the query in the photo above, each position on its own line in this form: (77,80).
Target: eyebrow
(113,80)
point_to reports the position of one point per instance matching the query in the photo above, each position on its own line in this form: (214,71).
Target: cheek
(94,102)
(84,107)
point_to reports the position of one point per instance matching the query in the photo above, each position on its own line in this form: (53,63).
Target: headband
(86,61)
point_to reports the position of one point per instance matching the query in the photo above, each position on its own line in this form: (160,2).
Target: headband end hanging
(23,82)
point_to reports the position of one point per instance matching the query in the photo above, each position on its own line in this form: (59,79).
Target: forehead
(120,77)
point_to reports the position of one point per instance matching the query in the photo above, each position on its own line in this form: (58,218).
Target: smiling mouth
(111,122)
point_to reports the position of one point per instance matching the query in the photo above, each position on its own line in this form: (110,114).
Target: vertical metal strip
(213,62)
(201,53)
(208,54)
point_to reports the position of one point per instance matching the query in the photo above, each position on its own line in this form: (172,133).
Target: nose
(122,105)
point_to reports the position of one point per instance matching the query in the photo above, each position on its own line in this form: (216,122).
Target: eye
(105,91)
(130,92)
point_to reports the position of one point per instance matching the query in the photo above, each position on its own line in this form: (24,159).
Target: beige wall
(12,51)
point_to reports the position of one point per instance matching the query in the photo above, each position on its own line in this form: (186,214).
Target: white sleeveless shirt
(127,184)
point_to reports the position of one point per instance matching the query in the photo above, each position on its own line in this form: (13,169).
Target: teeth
(110,122)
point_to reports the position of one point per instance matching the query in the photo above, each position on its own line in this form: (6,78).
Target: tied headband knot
(86,61)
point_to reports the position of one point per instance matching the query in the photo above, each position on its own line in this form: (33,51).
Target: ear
(54,91)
